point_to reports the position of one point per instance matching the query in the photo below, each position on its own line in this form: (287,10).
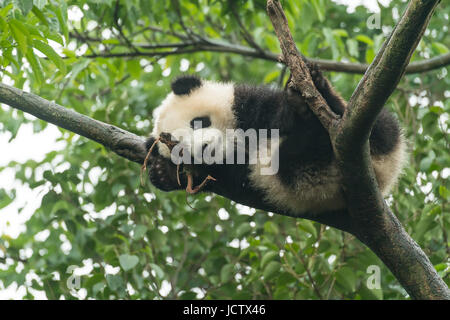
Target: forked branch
(368,215)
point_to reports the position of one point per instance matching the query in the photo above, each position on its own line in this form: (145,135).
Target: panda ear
(185,84)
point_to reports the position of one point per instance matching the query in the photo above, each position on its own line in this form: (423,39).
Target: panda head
(197,112)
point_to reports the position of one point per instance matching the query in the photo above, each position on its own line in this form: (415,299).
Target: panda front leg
(167,176)
(162,171)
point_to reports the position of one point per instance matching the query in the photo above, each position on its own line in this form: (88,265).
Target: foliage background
(134,242)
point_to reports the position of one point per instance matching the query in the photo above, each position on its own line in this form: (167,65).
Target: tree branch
(124,143)
(119,27)
(369,218)
(388,67)
(213,45)
(379,228)
(247,36)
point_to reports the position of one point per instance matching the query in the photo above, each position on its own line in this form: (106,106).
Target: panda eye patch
(200,122)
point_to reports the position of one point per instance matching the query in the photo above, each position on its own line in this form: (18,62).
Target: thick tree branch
(122,142)
(370,219)
(188,46)
(380,229)
(388,67)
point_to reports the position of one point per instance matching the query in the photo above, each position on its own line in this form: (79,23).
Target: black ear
(185,84)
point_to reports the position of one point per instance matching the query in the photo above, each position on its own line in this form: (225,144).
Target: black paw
(163,173)
(149,143)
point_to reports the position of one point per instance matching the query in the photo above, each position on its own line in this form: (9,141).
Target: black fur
(334,100)
(306,146)
(161,170)
(185,84)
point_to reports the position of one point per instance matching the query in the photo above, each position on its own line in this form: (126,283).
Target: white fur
(212,99)
(321,191)
(389,167)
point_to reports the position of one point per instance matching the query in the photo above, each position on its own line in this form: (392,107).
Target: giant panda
(307,179)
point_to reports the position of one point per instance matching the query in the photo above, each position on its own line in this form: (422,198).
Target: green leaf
(5,10)
(440,48)
(444,192)
(61,15)
(365,39)
(346,277)
(77,68)
(271,76)
(269,256)
(319,9)
(38,13)
(115,282)
(49,34)
(440,267)
(308,226)
(4,28)
(307,16)
(352,45)
(226,273)
(51,54)
(20,34)
(35,66)
(40,4)
(128,262)
(25,6)
(243,229)
(436,109)
(159,272)
(426,162)
(5,199)
(271,270)
(134,68)
(270,227)
(139,232)
(329,36)
(426,223)
(340,33)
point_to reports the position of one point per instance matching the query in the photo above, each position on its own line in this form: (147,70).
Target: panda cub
(305,177)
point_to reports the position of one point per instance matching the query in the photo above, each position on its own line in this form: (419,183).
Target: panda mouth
(166,138)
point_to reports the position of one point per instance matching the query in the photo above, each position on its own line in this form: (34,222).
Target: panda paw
(162,174)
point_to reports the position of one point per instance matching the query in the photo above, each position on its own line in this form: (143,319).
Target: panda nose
(165,136)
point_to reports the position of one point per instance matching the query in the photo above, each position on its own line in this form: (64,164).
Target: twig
(144,165)
(119,27)
(174,279)
(190,184)
(247,36)
(210,45)
(191,34)
(369,217)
